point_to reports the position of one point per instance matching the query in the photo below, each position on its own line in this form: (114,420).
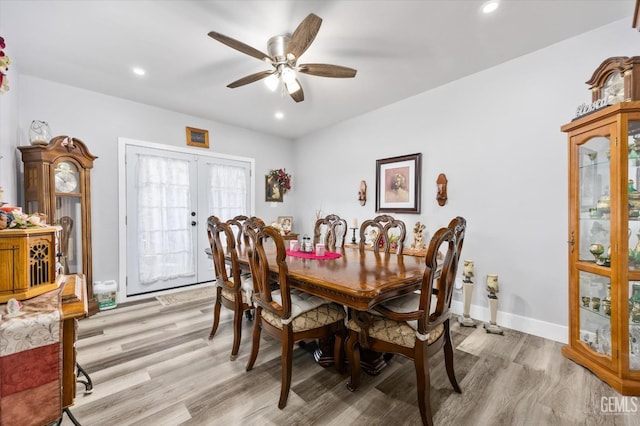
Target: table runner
(312,255)
(30,362)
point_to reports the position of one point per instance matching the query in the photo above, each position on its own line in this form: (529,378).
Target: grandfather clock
(57,183)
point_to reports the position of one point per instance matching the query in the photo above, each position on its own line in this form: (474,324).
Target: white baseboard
(555,332)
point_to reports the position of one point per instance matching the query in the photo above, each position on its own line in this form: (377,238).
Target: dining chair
(237,222)
(416,325)
(330,231)
(285,313)
(233,290)
(389,233)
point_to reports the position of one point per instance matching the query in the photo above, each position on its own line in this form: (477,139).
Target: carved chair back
(236,224)
(259,236)
(330,231)
(386,229)
(221,239)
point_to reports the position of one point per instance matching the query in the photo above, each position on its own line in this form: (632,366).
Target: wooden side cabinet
(74,307)
(604,244)
(57,182)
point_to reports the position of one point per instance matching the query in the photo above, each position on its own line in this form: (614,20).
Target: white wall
(496,135)
(99,120)
(9,102)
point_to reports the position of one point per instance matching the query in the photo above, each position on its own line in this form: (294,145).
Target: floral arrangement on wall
(282,177)
(4,67)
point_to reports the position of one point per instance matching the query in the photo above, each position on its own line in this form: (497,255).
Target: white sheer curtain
(164,206)
(228,190)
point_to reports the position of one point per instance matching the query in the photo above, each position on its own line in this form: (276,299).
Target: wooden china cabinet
(604,229)
(57,182)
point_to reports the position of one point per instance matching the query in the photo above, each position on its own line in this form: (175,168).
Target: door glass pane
(68,215)
(165,246)
(634,325)
(595,312)
(594,200)
(634,194)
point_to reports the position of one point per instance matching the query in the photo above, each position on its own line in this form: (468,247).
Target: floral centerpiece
(282,177)
(19,220)
(4,67)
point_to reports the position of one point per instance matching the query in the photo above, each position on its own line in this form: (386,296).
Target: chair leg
(287,364)
(423,384)
(448,359)
(216,313)
(255,344)
(237,331)
(352,348)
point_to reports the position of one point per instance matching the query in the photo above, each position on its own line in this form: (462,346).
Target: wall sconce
(441,197)
(362,194)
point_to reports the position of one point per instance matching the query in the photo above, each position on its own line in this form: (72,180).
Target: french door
(169,196)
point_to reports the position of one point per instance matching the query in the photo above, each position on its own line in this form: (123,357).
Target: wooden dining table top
(359,279)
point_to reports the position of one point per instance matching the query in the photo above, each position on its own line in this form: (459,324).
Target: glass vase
(39,133)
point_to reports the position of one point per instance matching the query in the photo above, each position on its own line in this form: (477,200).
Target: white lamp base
(466,320)
(492,327)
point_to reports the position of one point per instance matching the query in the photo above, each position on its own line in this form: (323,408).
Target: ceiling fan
(284,52)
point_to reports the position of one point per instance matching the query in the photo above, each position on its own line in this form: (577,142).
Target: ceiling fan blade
(327,70)
(304,35)
(298,95)
(250,79)
(240,46)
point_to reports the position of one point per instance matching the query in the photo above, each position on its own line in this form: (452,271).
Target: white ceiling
(400,48)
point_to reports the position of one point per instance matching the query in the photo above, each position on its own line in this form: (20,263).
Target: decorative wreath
(282,177)
(4,67)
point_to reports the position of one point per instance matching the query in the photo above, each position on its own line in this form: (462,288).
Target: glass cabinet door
(595,312)
(633,161)
(594,200)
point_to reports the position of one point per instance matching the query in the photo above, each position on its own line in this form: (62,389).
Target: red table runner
(312,255)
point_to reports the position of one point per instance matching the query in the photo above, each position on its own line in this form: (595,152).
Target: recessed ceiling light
(139,71)
(490,6)
(279,115)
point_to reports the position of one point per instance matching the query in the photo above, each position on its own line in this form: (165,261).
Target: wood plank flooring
(153,365)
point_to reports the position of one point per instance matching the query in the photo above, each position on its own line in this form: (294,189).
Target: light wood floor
(153,365)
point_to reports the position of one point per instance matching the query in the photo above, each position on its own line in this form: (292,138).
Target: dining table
(355,278)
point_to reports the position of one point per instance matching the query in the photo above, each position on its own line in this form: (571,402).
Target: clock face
(66,177)
(613,88)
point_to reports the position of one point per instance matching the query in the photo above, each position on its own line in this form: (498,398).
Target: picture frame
(273,191)
(197,137)
(398,184)
(286,223)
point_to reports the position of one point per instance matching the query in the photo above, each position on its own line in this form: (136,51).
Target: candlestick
(492,288)
(353,239)
(467,291)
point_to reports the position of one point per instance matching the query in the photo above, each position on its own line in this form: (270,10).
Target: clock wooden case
(617,79)
(57,182)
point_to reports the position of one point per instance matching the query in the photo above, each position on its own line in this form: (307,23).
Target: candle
(354,223)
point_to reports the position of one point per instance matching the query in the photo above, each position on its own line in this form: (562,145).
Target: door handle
(194,223)
(193,213)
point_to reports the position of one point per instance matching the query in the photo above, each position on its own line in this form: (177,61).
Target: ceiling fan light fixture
(288,74)
(490,6)
(272,82)
(292,87)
